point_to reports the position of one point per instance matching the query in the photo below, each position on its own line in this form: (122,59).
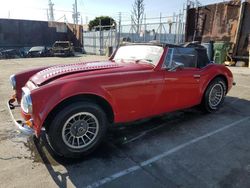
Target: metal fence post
(160,27)
(145,28)
(100,39)
(174,32)
(119,32)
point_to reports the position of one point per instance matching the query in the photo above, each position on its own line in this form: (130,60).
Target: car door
(181,86)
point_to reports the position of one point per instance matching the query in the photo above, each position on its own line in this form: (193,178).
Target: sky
(89,9)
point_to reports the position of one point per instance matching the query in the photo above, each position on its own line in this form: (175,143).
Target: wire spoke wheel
(216,95)
(80,130)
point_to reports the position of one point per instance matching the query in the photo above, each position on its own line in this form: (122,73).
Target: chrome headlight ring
(13,81)
(26,102)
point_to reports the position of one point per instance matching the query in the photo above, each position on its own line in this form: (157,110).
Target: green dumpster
(220,52)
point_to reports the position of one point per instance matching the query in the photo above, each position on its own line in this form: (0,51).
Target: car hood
(54,72)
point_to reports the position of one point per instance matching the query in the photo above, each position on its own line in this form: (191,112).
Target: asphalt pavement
(187,148)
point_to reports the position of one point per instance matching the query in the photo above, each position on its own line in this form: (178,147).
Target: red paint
(21,80)
(134,91)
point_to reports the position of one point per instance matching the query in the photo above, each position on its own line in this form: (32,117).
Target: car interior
(190,56)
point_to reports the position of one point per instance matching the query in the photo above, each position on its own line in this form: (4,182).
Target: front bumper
(61,53)
(21,125)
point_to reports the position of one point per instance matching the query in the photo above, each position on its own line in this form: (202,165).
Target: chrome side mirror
(177,65)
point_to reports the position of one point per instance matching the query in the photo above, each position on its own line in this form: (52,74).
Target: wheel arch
(203,104)
(104,104)
(211,80)
(224,78)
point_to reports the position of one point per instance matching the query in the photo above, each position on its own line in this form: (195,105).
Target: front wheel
(77,129)
(214,95)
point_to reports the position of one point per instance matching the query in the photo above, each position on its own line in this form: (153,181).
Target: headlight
(26,102)
(13,81)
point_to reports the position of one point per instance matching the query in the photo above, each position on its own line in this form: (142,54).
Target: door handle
(197,76)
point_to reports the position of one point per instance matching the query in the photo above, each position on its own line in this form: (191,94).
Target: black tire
(62,129)
(209,103)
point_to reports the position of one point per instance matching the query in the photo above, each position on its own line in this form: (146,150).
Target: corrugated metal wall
(243,46)
(216,22)
(220,22)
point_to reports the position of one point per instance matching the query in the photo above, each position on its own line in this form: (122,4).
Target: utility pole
(75,14)
(87,19)
(51,11)
(47,14)
(170,24)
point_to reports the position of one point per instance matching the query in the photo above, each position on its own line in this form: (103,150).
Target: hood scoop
(58,71)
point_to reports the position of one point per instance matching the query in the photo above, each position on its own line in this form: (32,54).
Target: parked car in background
(9,53)
(63,48)
(24,51)
(76,103)
(39,51)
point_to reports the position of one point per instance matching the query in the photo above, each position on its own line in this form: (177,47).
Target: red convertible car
(76,103)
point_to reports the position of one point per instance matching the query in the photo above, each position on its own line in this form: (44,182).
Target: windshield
(37,48)
(144,53)
(62,45)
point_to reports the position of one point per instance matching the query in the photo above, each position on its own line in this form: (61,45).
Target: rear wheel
(77,129)
(214,95)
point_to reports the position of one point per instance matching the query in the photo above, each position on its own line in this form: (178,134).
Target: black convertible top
(202,57)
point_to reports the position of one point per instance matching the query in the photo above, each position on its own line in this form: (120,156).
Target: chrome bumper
(61,54)
(19,123)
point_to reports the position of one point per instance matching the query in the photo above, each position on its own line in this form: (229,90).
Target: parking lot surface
(181,149)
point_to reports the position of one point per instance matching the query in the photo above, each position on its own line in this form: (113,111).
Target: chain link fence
(169,29)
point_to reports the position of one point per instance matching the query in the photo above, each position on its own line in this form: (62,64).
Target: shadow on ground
(114,149)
